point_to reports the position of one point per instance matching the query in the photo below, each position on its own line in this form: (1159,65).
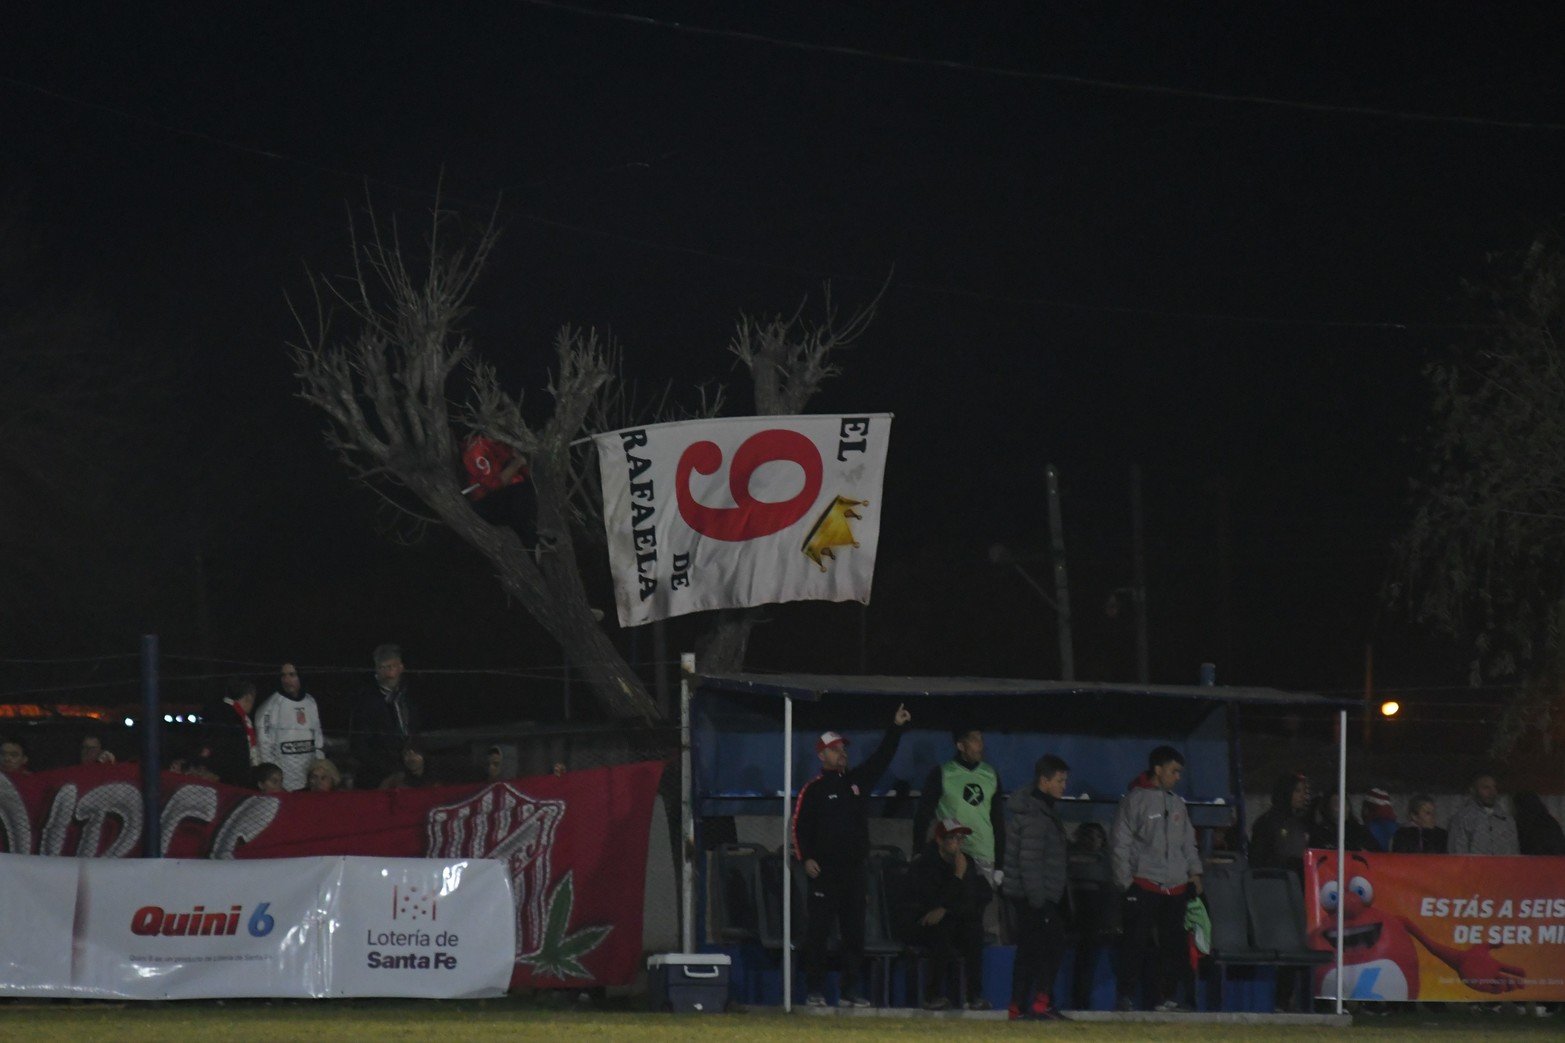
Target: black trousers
(836,895)
(1155,936)
(957,935)
(1091,911)
(1040,946)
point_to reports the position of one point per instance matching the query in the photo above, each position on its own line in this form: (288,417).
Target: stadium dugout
(750,740)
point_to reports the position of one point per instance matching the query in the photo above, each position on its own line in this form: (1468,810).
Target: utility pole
(1369,690)
(1062,598)
(1138,591)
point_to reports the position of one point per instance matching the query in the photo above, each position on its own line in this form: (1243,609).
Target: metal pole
(565,693)
(787,859)
(1062,598)
(151,733)
(1369,690)
(1138,592)
(1342,831)
(687,818)
(660,664)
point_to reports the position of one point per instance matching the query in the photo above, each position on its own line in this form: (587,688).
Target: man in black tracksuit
(831,840)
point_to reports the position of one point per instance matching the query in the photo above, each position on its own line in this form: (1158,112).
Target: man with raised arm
(831,841)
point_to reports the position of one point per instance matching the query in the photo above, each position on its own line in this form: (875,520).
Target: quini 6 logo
(155,920)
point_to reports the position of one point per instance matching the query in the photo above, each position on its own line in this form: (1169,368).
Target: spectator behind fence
(1280,837)
(969,790)
(1380,818)
(947,897)
(1323,828)
(414,772)
(13,756)
(492,767)
(1421,835)
(383,719)
(323,777)
(227,734)
(288,728)
(831,841)
(1481,826)
(268,778)
(1036,872)
(1537,831)
(1156,866)
(92,751)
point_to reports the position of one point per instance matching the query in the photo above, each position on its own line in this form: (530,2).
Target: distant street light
(1390,708)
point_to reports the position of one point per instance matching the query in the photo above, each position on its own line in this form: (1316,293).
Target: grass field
(380,1020)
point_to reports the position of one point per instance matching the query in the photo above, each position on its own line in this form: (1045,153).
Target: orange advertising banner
(1440,927)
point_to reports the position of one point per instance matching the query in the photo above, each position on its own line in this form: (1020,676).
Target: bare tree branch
(392,391)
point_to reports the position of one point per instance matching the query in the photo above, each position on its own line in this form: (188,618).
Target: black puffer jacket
(1036,849)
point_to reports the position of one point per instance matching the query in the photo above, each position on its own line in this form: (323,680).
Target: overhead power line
(1052,303)
(1050,77)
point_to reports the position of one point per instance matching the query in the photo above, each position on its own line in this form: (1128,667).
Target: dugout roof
(814,687)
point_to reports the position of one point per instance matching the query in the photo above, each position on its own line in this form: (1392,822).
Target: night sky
(1109,242)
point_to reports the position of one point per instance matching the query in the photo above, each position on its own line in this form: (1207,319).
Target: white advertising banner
(420,927)
(293,927)
(200,929)
(727,513)
(37,905)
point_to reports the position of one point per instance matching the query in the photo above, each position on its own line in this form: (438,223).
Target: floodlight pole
(787,859)
(687,818)
(1138,593)
(1062,597)
(151,755)
(1342,830)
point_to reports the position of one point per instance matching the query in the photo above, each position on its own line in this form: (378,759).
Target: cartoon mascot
(1379,961)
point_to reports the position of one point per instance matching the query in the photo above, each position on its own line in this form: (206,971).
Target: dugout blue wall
(737,742)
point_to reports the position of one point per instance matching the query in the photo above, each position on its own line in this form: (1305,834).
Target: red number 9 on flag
(751,518)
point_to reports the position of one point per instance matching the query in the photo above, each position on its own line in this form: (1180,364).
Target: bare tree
(390,391)
(406,372)
(1484,555)
(788,358)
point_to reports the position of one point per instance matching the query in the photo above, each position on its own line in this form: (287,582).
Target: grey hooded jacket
(1153,838)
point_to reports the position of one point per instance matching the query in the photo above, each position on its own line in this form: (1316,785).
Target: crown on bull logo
(831,530)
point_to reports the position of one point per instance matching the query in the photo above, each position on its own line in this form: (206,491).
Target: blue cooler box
(688,983)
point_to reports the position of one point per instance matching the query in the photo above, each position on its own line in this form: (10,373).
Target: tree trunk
(721,646)
(548,585)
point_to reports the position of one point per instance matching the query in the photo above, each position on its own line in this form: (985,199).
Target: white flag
(705,514)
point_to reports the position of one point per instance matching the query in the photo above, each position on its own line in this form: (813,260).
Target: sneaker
(978,1003)
(852,1001)
(936,1003)
(1171,1007)
(1013,1012)
(1125,1005)
(815,999)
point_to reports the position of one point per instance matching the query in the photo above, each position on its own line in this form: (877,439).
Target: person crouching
(948,895)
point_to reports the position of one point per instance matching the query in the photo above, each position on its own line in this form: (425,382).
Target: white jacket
(288,734)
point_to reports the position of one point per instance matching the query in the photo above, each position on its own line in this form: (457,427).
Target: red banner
(1440,927)
(576,844)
